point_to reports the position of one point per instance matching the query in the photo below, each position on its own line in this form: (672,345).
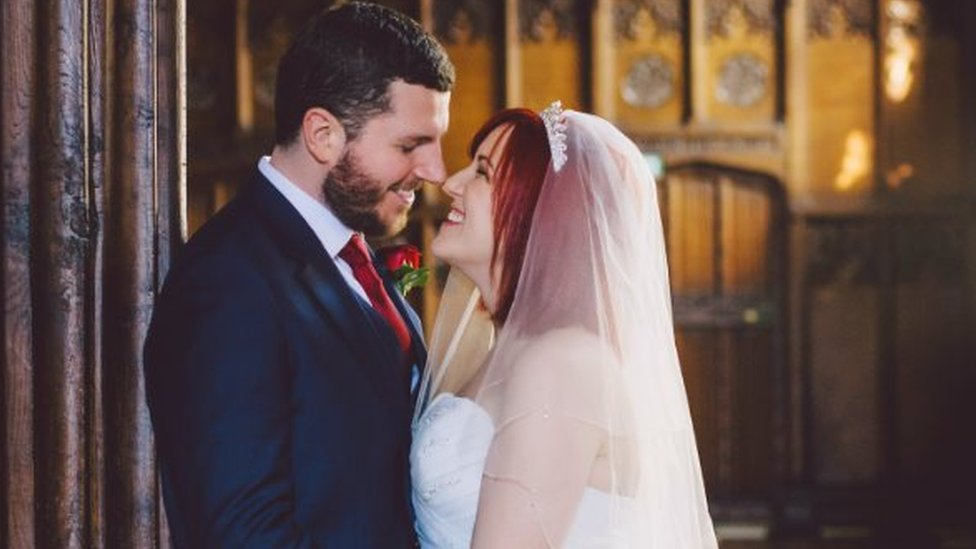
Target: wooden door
(725,231)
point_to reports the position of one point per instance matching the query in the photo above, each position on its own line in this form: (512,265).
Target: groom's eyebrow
(416,140)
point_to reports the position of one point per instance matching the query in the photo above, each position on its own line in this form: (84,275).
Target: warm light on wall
(857,161)
(902,45)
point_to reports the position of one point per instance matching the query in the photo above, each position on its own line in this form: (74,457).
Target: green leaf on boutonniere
(408,278)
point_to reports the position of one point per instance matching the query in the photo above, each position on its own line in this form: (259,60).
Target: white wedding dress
(580,383)
(450,444)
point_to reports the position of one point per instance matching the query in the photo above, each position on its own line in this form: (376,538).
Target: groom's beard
(354,197)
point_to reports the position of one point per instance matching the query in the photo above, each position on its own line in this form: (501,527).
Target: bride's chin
(437,248)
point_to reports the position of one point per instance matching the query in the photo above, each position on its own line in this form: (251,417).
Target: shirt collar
(331,232)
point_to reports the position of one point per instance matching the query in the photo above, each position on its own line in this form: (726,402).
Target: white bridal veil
(587,354)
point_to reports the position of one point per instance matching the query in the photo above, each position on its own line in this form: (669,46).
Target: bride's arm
(548,435)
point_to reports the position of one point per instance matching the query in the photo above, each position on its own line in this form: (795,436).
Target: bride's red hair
(517,181)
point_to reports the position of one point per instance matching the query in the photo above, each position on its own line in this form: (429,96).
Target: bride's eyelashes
(483,167)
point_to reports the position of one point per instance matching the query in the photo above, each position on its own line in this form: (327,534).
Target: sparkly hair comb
(555,122)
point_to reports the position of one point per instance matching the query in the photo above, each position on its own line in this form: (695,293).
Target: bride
(553,412)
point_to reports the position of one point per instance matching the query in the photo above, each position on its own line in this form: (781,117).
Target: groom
(279,358)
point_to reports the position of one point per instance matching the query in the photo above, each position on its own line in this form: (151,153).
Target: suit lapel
(324,285)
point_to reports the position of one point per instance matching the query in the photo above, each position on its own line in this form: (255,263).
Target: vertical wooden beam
(130,277)
(604,61)
(98,64)
(698,56)
(513,55)
(61,249)
(17,102)
(245,68)
(170,181)
(798,97)
(92,209)
(171,201)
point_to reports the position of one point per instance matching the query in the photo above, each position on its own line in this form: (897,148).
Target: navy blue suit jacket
(279,399)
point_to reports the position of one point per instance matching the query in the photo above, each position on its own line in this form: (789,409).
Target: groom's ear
(323,135)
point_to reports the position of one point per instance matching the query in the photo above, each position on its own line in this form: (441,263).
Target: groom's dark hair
(344,61)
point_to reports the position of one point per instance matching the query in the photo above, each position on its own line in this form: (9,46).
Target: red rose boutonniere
(403,262)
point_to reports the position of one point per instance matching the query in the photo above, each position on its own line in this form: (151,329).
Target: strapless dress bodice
(447,459)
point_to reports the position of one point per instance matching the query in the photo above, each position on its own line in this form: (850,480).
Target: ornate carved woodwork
(827,18)
(759,16)
(887,318)
(548,20)
(464,22)
(636,18)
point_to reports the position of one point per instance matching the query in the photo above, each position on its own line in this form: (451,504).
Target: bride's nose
(454,185)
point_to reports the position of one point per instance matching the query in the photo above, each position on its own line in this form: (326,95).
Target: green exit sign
(656,163)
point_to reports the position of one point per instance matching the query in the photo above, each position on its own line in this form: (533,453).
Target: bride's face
(466,239)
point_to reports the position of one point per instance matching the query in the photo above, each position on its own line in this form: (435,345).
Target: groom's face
(372,186)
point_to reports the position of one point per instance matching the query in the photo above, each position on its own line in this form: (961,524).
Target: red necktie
(357,256)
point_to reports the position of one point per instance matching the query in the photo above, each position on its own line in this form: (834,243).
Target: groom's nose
(430,164)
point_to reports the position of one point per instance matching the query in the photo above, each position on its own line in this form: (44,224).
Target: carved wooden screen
(726,242)
(888,317)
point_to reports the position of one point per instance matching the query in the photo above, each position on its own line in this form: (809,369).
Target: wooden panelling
(889,322)
(92,156)
(546,53)
(471,33)
(263,33)
(935,363)
(726,256)
(747,217)
(691,236)
(61,280)
(844,384)
(210,70)
(924,131)
(645,82)
(699,355)
(17,72)
(844,306)
(832,97)
(738,85)
(752,432)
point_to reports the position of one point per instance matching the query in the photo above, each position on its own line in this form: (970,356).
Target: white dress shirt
(331,232)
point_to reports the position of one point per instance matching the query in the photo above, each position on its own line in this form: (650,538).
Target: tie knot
(354,252)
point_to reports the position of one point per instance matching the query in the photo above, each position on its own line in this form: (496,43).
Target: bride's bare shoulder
(566,353)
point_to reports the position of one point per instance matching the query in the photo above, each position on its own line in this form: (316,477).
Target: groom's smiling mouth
(405,191)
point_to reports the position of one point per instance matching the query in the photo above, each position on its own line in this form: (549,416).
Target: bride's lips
(454,217)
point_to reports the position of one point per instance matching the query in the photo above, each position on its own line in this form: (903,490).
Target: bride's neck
(483,280)
(488,294)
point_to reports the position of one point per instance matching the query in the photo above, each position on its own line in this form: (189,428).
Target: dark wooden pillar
(90,136)
(18,79)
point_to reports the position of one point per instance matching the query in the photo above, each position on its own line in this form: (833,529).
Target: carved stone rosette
(743,80)
(650,83)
